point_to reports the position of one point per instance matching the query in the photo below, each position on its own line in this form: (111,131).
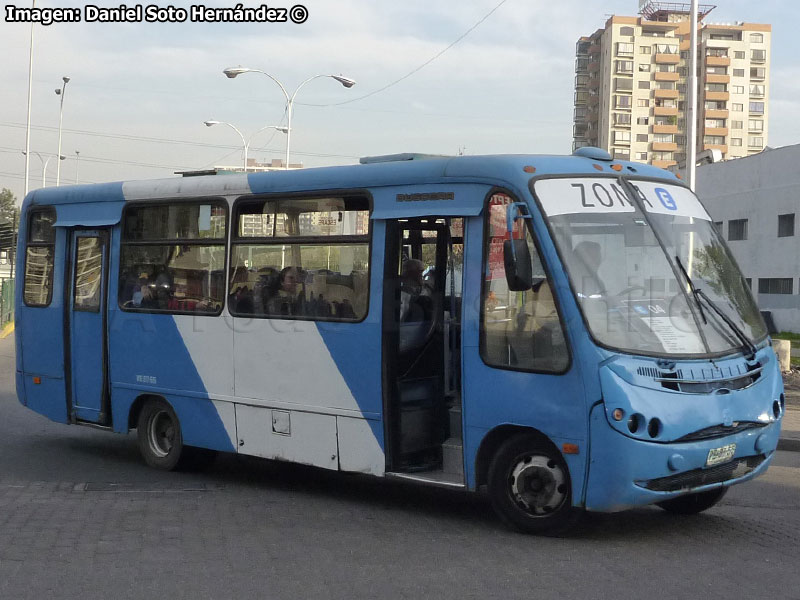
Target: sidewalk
(790,430)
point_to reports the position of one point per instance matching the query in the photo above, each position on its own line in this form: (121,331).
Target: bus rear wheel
(159,435)
(692,504)
(530,488)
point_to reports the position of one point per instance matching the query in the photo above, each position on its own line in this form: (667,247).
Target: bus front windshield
(648,268)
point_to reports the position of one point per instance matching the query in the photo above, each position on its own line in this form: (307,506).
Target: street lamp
(232,72)
(44,164)
(246,143)
(60,92)
(77,165)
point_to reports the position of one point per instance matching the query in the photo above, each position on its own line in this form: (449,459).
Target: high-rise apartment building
(631,82)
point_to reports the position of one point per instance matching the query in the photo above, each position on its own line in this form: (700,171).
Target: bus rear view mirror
(517,261)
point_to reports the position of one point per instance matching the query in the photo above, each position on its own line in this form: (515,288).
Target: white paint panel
(574,195)
(209,341)
(312,440)
(288,361)
(358,448)
(186,187)
(665,199)
(227,414)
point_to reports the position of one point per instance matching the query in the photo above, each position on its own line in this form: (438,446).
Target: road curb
(7,331)
(789,444)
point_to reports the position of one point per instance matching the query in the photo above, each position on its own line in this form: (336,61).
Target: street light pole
(245,143)
(232,72)
(77,166)
(691,120)
(30,95)
(60,92)
(44,164)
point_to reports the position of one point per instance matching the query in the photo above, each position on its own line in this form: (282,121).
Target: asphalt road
(82,517)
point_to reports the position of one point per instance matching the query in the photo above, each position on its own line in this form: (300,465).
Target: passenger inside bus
(285,300)
(588,256)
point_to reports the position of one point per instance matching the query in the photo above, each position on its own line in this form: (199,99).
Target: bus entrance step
(454,413)
(453,456)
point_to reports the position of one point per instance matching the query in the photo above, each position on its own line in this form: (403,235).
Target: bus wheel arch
(492,442)
(136,408)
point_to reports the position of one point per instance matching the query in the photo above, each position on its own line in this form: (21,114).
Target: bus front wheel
(692,504)
(159,435)
(529,487)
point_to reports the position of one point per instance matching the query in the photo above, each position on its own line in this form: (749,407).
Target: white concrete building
(755,203)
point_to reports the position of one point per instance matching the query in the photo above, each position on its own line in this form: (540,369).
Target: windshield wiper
(748,347)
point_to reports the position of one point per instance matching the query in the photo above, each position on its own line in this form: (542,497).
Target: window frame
(532,209)
(783,229)
(223,241)
(745,227)
(103,239)
(33,244)
(236,240)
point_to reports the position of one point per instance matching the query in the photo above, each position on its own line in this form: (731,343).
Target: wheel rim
(538,485)
(161,433)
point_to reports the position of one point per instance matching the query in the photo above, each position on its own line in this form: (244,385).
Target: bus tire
(692,504)
(159,435)
(530,487)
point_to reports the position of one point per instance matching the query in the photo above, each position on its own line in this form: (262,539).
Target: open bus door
(88,343)
(422,357)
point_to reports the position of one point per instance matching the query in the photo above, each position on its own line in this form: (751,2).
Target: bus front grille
(697,477)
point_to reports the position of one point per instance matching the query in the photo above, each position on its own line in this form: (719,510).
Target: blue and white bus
(564,333)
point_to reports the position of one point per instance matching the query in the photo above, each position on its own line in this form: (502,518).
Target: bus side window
(173,257)
(39,256)
(519,330)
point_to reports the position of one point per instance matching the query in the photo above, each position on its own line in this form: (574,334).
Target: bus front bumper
(626,472)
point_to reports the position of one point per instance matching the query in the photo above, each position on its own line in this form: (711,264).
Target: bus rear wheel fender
(530,486)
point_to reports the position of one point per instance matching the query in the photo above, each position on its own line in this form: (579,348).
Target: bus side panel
(40,331)
(148,356)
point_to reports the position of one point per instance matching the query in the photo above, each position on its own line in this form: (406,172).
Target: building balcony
(718,61)
(594,67)
(594,49)
(663,146)
(716,131)
(671,94)
(668,59)
(663,164)
(714,78)
(721,147)
(665,129)
(718,96)
(659,76)
(716,114)
(665,111)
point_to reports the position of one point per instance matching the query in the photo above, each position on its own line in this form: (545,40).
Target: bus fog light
(776,409)
(676,462)
(654,428)
(618,414)
(635,422)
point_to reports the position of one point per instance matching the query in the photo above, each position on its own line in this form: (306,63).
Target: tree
(9,213)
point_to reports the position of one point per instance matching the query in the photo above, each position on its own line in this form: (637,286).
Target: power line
(420,67)
(139,138)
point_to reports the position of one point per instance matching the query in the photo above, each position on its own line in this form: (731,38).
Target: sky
(139,92)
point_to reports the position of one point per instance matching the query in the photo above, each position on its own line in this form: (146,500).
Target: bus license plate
(721,455)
